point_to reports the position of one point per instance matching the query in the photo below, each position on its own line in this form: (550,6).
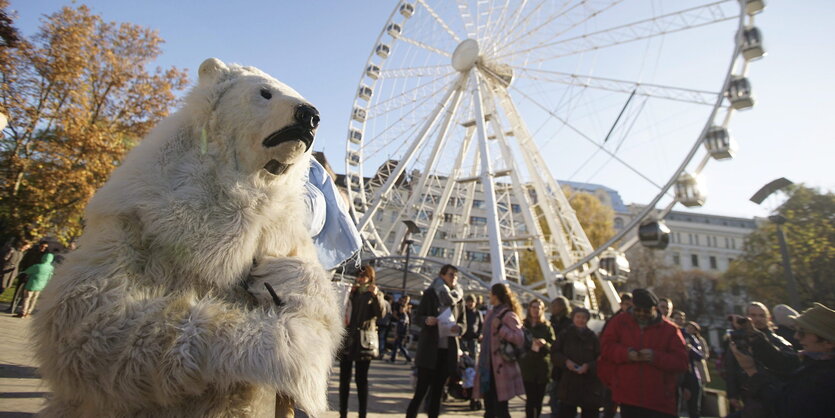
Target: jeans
(345,385)
(431,380)
(398,345)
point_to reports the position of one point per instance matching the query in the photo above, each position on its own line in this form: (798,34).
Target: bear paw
(289,282)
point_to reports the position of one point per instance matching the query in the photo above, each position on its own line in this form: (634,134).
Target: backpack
(508,350)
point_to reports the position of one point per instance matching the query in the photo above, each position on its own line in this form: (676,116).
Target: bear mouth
(276,168)
(290,133)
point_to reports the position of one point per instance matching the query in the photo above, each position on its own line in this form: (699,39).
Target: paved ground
(22,391)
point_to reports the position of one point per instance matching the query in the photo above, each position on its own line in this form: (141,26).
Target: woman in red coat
(499,380)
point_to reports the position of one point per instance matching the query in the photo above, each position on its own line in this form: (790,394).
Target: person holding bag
(498,378)
(365,305)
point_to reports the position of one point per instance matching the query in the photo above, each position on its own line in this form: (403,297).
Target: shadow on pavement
(18,372)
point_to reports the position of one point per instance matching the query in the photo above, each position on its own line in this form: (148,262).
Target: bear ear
(211,70)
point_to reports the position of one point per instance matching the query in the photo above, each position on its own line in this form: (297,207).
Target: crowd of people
(647,361)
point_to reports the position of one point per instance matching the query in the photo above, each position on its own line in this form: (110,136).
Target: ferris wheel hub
(465,56)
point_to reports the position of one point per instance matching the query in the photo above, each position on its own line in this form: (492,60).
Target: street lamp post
(779,220)
(794,298)
(411,228)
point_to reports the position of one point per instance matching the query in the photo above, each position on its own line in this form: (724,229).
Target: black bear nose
(307,115)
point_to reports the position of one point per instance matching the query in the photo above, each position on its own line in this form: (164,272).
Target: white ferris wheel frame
(573,246)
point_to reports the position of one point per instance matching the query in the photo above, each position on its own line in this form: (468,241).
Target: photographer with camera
(757,318)
(785,384)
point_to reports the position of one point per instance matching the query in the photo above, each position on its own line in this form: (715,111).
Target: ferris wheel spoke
(643,29)
(377,199)
(432,160)
(440,21)
(510,22)
(658,91)
(589,12)
(425,71)
(589,139)
(407,97)
(493,24)
(423,46)
(392,137)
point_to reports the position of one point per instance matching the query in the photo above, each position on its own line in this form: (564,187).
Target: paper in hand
(445,323)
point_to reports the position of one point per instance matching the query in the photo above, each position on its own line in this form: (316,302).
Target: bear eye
(266,94)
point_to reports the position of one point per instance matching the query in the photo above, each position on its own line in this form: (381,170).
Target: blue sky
(320,48)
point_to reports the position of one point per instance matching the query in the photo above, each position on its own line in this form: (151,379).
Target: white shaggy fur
(162,310)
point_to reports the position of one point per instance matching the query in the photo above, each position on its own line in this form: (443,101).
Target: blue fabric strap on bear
(333,231)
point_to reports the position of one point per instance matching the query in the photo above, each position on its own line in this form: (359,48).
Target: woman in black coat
(364,306)
(577,349)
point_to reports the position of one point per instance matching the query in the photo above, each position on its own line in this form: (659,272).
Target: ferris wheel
(468,112)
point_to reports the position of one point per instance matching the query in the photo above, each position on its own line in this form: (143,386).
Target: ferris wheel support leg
(493,233)
(377,200)
(523,199)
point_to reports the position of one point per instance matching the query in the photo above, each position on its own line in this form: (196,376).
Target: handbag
(510,352)
(369,343)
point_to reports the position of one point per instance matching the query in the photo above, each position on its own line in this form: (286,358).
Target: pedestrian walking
(498,378)
(365,305)
(401,314)
(536,365)
(10,258)
(38,276)
(440,314)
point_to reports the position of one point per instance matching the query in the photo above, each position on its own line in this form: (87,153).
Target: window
(733,243)
(424,215)
(694,260)
(713,262)
(676,259)
(618,223)
(441,252)
(478,220)
(440,234)
(449,217)
(690,239)
(478,204)
(477,256)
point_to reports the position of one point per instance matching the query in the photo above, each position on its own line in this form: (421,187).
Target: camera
(739,333)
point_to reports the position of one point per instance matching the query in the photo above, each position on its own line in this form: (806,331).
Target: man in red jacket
(648,353)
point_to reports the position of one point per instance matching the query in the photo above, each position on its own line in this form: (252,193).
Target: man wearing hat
(647,354)
(795,385)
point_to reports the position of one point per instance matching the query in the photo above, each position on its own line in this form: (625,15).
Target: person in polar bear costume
(163,310)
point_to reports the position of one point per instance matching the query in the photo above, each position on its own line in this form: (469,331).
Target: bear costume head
(163,309)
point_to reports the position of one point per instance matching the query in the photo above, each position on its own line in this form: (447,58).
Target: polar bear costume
(163,309)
